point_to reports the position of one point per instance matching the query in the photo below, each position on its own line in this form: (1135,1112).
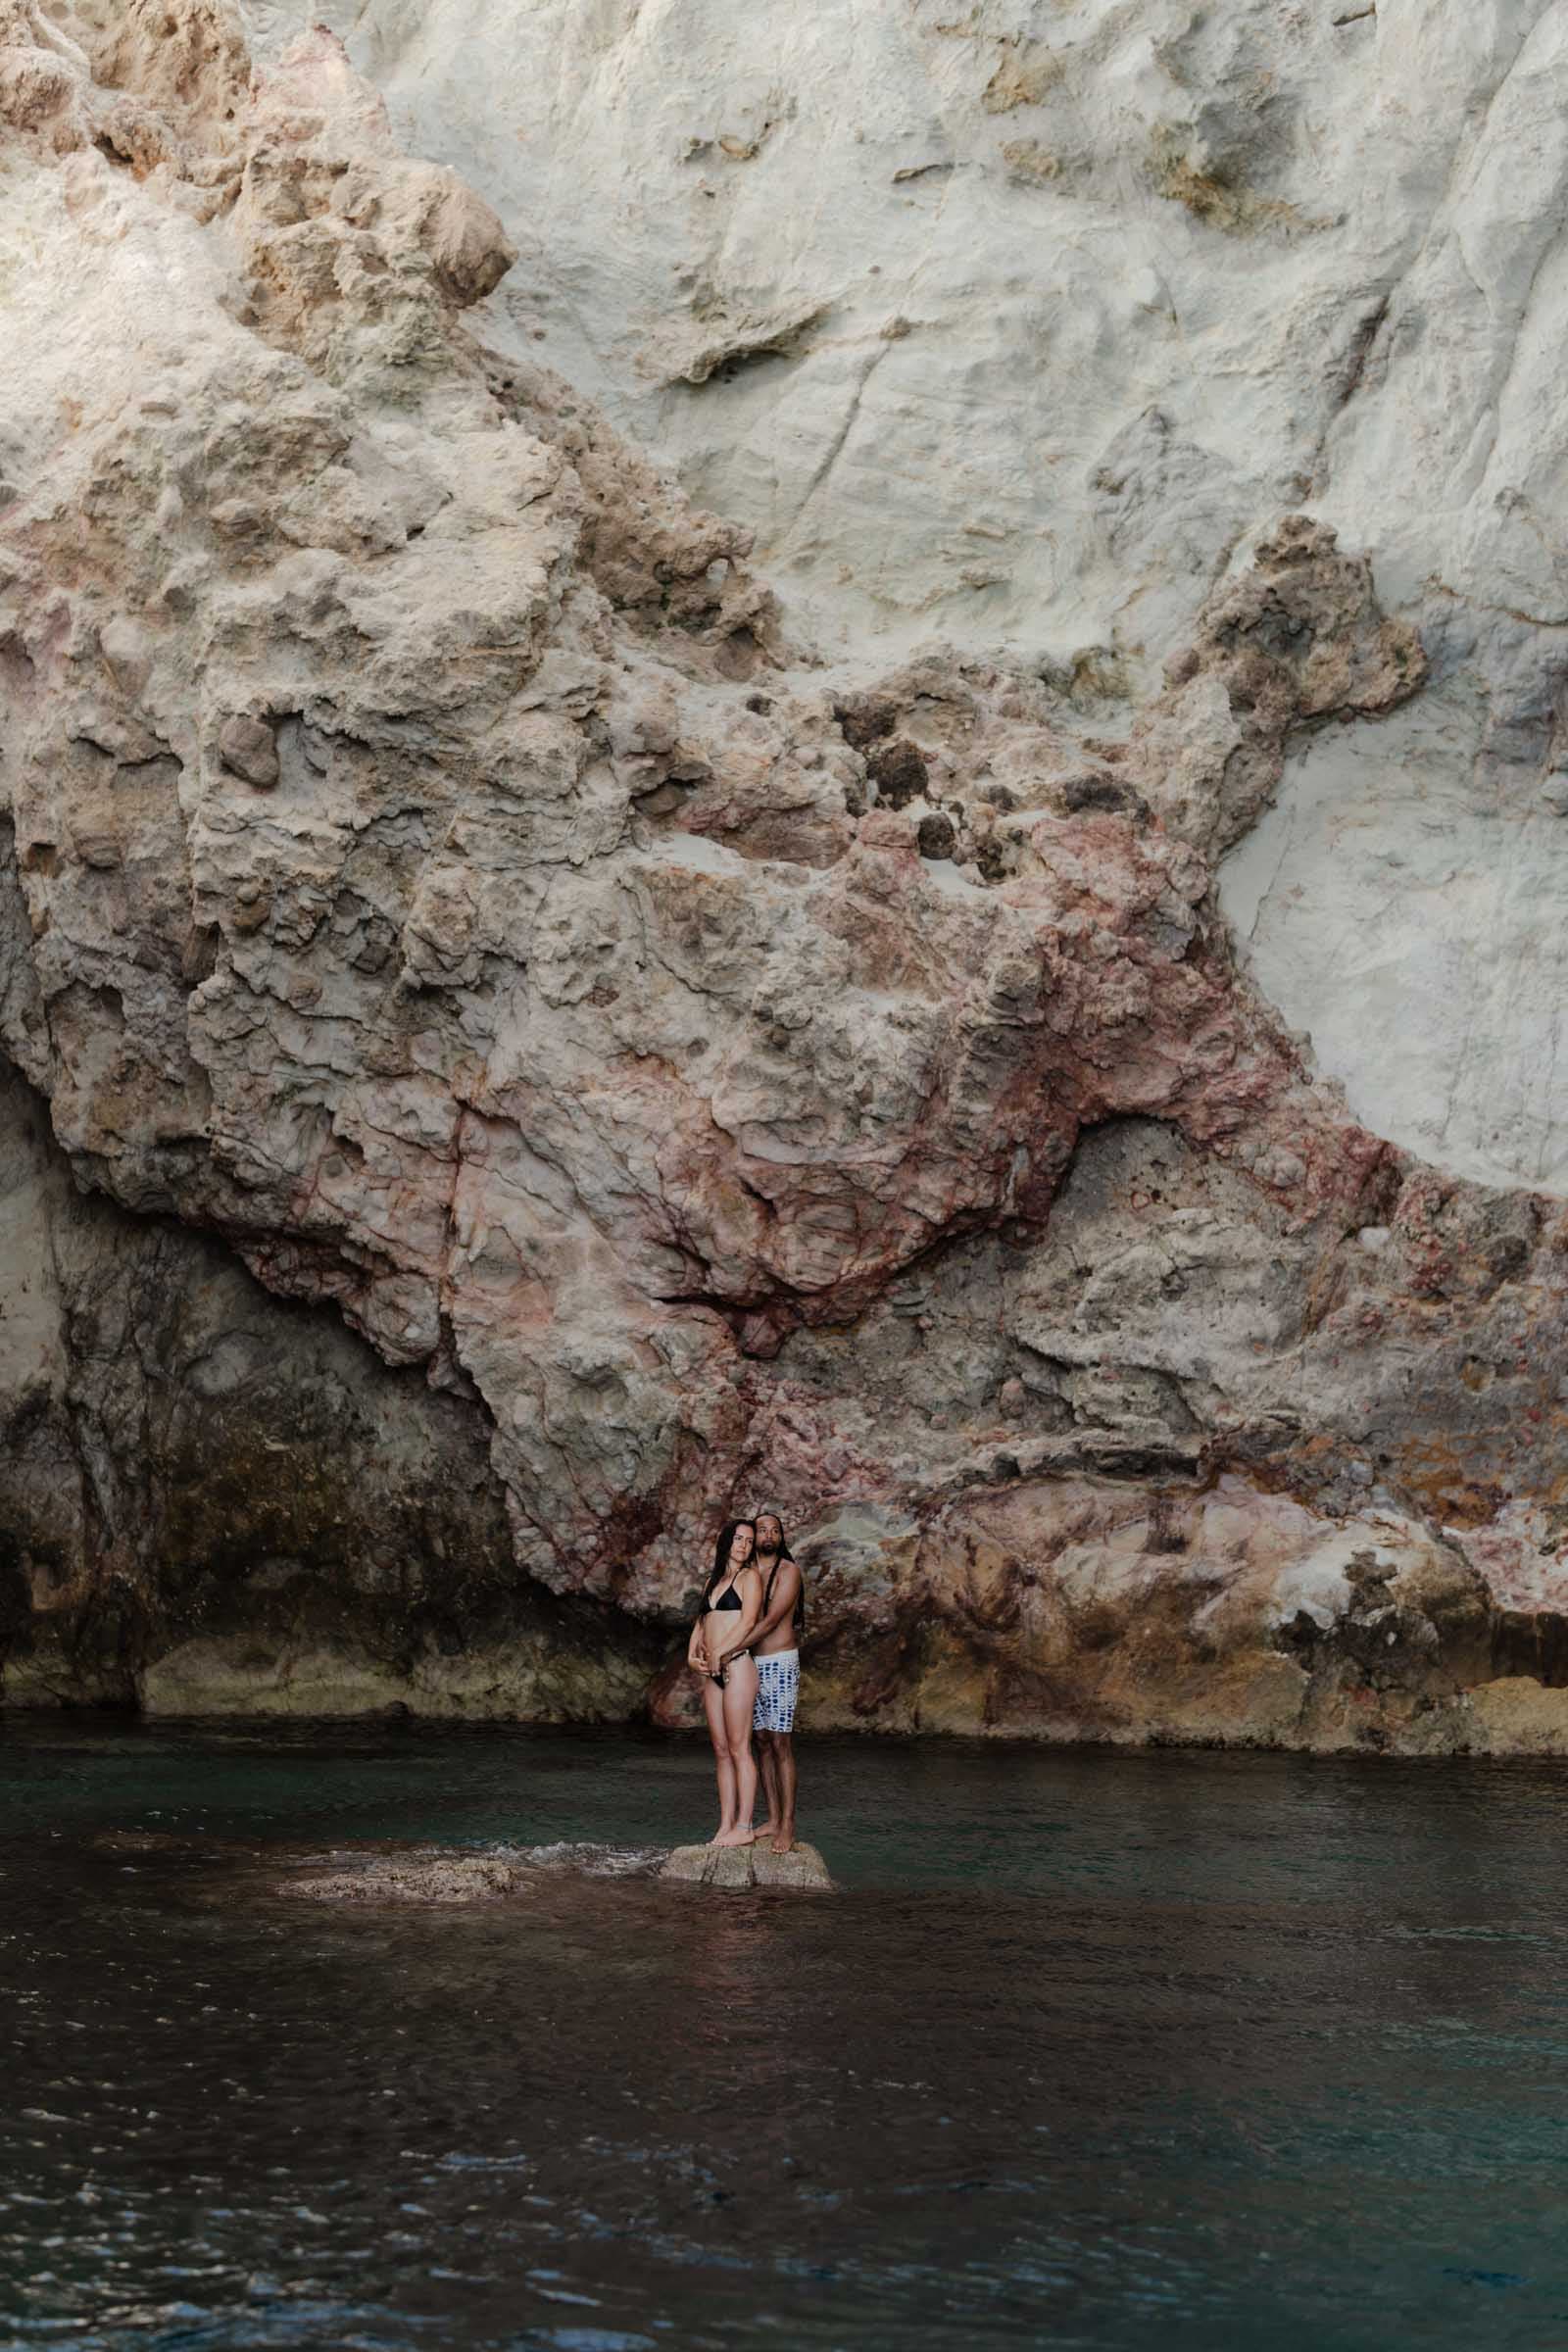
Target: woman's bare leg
(740,1697)
(717,1731)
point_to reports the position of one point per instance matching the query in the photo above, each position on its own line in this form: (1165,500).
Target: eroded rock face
(1017,322)
(215,1502)
(1009,320)
(432,869)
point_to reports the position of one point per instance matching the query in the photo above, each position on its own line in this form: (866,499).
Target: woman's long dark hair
(726,1536)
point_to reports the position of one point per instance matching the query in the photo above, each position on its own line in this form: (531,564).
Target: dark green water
(1092,2050)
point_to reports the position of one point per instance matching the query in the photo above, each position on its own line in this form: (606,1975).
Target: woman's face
(741,1547)
(769,1532)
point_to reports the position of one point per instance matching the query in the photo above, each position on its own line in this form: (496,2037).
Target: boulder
(737,1868)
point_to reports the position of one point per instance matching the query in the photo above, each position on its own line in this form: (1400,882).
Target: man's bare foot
(783,1840)
(764,1829)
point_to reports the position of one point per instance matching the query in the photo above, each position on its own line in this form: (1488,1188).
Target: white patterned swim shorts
(778,1683)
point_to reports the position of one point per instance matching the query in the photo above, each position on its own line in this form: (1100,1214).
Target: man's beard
(769,1551)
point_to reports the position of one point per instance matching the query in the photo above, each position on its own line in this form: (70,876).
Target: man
(775,1646)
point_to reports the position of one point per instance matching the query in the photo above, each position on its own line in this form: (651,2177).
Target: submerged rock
(438,1874)
(739,1868)
(432,1874)
(432,1878)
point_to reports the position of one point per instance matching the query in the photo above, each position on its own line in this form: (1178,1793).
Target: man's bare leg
(781,1745)
(767,1765)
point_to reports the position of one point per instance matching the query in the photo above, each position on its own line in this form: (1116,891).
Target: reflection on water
(1091,2050)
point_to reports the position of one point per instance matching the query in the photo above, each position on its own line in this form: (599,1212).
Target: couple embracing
(745,1647)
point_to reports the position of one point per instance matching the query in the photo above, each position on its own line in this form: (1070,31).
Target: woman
(731,1603)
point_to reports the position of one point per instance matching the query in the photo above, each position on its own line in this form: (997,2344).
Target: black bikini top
(730,1601)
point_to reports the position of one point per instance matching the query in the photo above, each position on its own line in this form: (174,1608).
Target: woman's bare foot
(733,1837)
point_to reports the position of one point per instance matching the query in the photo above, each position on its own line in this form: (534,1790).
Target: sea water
(1089,2049)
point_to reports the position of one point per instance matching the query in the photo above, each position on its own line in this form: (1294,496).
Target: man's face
(769,1533)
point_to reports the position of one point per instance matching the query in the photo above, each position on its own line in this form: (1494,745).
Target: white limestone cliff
(748,995)
(1013,323)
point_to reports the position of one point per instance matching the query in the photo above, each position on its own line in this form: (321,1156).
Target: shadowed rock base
(738,1867)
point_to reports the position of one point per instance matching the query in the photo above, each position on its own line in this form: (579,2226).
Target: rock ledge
(738,1867)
